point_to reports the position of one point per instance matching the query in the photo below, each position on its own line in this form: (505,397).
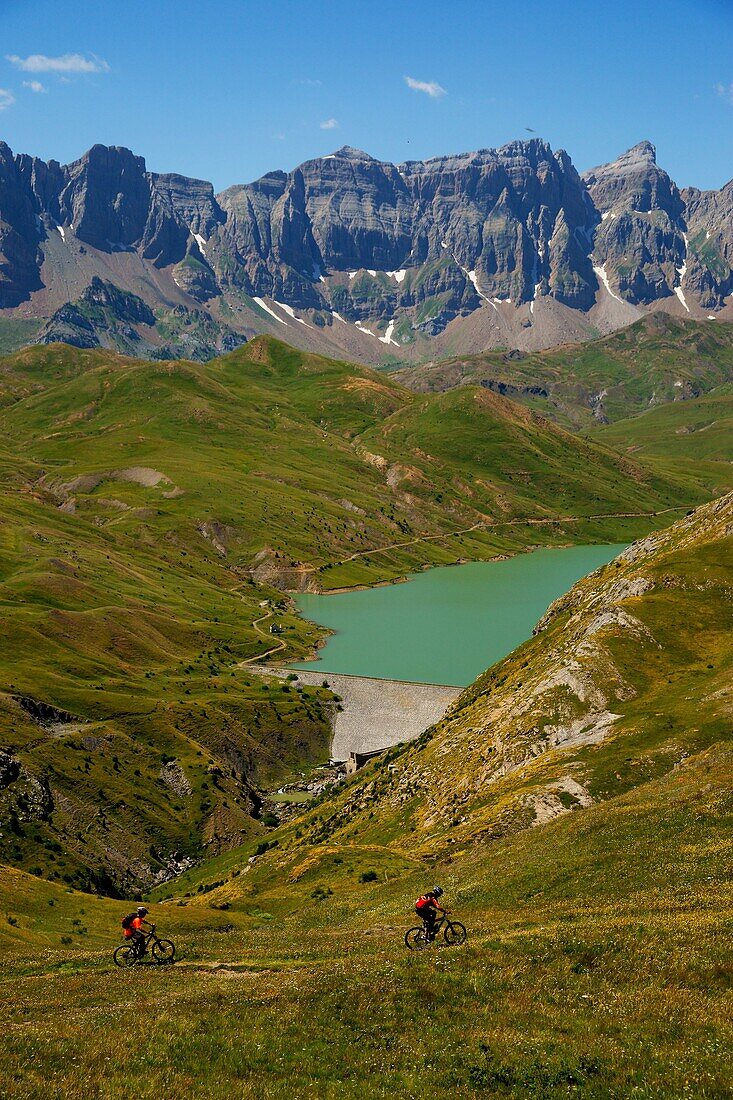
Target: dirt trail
(485,525)
(268,652)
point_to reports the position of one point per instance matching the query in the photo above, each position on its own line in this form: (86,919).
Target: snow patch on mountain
(474,280)
(387,338)
(263,305)
(682,271)
(291,313)
(601,274)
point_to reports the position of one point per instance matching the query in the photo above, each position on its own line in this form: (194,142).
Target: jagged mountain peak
(533,149)
(642,151)
(348,152)
(100,154)
(643,154)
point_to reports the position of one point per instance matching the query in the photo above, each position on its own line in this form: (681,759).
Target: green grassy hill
(151,515)
(576,804)
(692,439)
(657,360)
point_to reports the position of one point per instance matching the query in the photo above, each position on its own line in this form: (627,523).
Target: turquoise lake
(446,625)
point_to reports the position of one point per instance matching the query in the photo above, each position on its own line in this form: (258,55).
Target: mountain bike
(161,951)
(454,934)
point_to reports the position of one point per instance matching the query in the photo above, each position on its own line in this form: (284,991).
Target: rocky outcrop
(102,310)
(105,316)
(24,796)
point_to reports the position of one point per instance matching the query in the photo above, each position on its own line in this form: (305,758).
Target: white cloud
(430,87)
(34,85)
(309,82)
(725,91)
(330,124)
(66,63)
(7,99)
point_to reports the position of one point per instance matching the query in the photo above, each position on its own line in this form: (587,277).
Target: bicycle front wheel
(416,939)
(454,934)
(125,955)
(164,951)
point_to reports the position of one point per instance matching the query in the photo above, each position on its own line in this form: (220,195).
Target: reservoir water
(445,625)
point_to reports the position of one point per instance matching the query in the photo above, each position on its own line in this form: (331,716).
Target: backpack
(127,921)
(423,902)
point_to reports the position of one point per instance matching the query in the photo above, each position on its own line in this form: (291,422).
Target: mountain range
(354,256)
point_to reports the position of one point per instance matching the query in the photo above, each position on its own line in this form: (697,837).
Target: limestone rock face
(709,217)
(106,198)
(402,250)
(511,217)
(641,238)
(19,234)
(514,222)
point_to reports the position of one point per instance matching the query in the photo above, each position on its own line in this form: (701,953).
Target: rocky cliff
(497,247)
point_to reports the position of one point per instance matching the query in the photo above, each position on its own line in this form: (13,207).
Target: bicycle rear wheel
(454,933)
(163,951)
(416,939)
(125,955)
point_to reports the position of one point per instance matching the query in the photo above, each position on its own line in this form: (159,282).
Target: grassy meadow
(657,360)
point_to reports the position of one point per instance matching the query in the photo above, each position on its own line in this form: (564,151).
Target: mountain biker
(133,928)
(427,908)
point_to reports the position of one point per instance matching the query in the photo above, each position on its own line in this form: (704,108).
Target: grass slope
(657,360)
(692,439)
(588,855)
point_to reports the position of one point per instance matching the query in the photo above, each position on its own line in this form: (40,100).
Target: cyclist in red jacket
(133,926)
(427,908)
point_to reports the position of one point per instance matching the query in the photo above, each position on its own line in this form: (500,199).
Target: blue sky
(229,89)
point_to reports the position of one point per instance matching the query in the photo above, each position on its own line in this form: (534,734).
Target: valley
(575,804)
(137,587)
(366,546)
(165,527)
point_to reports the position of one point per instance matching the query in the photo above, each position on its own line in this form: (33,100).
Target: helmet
(437,891)
(142,911)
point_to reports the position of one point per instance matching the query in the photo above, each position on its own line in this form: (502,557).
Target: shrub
(368,876)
